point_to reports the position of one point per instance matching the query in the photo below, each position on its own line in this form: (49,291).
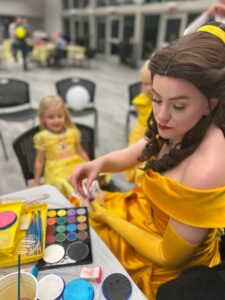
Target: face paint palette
(68,240)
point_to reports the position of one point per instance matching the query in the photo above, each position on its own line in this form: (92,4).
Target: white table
(102,256)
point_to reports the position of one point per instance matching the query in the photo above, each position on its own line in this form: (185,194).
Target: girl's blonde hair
(51,101)
(145,66)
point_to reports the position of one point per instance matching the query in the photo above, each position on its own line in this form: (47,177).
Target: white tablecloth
(102,256)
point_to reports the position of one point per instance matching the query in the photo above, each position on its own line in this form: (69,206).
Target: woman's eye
(156,101)
(179,107)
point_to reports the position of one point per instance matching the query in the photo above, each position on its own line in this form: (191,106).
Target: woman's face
(177,106)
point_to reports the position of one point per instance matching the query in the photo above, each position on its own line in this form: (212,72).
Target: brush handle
(18,286)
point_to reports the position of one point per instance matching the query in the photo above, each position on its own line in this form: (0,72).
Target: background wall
(29,8)
(51,13)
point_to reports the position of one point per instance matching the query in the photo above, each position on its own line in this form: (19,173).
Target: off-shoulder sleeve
(200,208)
(39,141)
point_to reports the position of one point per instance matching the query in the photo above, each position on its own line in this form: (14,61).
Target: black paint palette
(117,287)
(68,240)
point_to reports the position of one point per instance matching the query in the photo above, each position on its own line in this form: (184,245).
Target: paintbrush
(18,284)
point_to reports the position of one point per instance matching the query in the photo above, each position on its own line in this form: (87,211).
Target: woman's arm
(113,162)
(121,160)
(175,248)
(81,152)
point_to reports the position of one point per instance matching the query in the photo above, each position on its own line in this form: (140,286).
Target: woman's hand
(88,171)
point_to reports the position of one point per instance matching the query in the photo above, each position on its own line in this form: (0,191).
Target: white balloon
(77,97)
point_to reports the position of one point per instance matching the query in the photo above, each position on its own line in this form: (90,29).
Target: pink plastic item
(92,274)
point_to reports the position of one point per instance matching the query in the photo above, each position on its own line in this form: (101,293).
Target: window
(76,3)
(172,30)
(115,29)
(128,27)
(66,29)
(65,4)
(151,25)
(101,33)
(192,17)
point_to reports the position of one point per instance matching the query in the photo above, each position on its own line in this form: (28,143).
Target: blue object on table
(35,271)
(79,289)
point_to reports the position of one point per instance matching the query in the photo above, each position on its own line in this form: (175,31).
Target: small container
(79,289)
(28,286)
(50,287)
(79,201)
(74,200)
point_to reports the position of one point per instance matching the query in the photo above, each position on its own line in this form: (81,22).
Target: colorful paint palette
(68,240)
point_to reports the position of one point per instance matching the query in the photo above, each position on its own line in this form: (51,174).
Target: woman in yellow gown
(172,220)
(57,145)
(143,106)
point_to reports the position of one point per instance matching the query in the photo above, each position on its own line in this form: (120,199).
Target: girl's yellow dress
(143,106)
(60,157)
(149,208)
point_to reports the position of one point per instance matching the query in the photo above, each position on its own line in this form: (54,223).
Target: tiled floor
(112,81)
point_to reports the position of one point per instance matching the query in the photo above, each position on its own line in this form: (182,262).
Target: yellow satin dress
(149,208)
(143,105)
(60,157)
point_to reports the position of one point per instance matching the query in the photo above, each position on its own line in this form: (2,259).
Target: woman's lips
(163,127)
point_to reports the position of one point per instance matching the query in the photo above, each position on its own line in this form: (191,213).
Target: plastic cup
(28,287)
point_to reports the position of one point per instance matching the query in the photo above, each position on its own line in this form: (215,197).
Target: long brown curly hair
(199,58)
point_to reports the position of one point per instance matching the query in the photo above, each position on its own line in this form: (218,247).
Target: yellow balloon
(20,32)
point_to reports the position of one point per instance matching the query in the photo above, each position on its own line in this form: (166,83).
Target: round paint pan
(53,254)
(78,251)
(79,289)
(7,219)
(50,287)
(116,286)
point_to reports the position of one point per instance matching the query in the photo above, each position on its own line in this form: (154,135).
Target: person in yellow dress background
(57,145)
(172,220)
(143,106)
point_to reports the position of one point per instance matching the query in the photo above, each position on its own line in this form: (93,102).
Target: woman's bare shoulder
(206,168)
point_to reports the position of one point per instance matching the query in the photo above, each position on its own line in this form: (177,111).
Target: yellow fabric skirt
(58,172)
(134,207)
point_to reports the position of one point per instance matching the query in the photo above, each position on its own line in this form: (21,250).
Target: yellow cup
(28,287)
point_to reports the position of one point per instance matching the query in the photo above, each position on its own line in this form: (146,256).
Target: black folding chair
(133,90)
(25,152)
(62,87)
(15,95)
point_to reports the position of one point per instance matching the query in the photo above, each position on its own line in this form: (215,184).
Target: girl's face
(177,106)
(54,119)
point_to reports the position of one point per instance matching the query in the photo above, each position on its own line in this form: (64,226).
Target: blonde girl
(143,106)
(57,145)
